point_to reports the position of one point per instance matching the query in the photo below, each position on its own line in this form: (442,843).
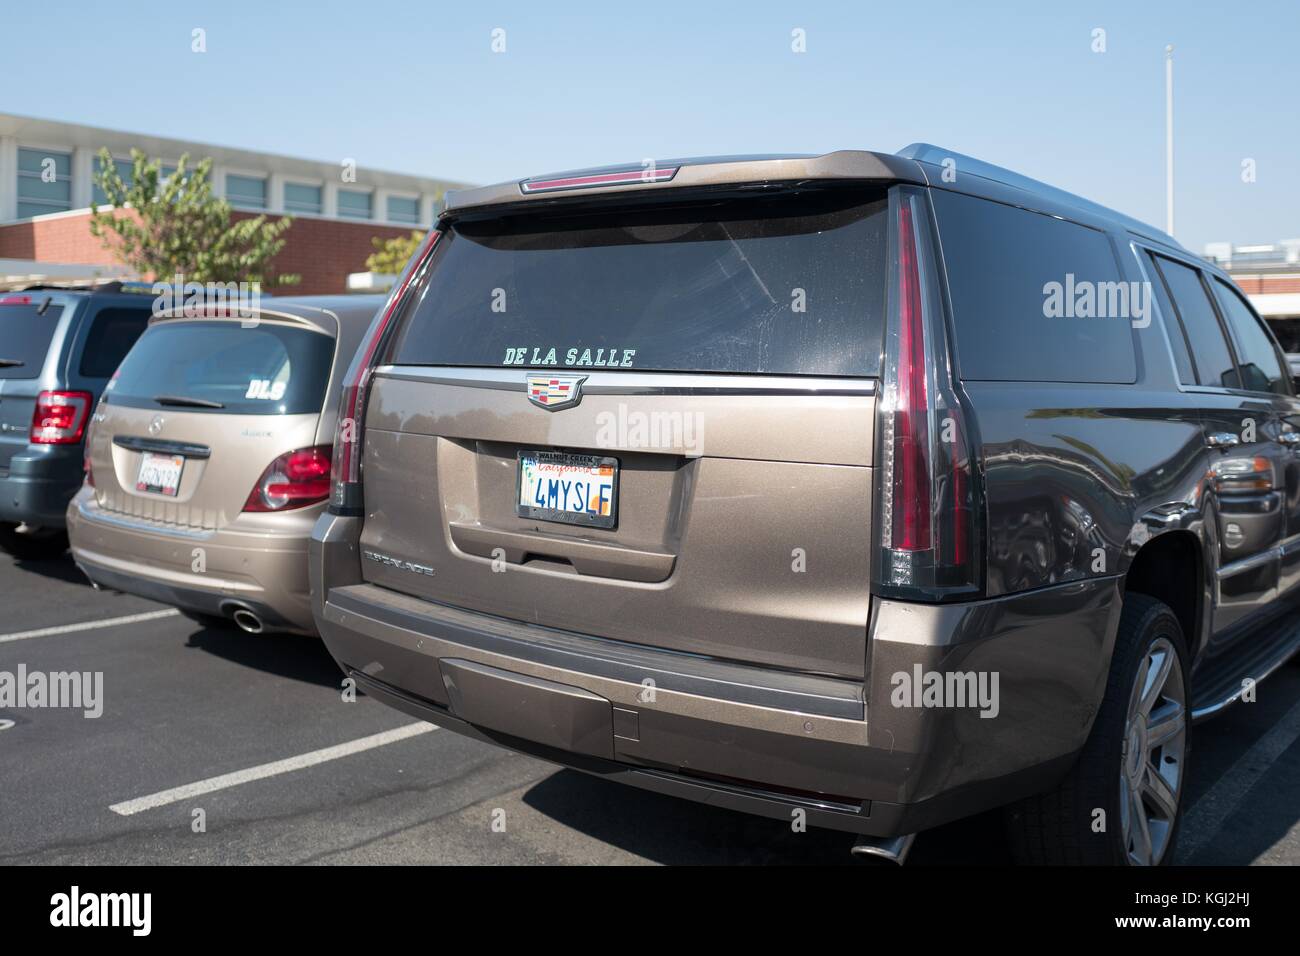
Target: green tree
(392,255)
(177,226)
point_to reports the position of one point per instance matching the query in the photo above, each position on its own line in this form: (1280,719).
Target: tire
(1062,826)
(41,544)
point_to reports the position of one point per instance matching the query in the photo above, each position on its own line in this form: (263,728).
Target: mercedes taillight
(926,480)
(294,480)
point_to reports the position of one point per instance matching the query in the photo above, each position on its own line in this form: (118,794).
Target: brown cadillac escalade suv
(881,489)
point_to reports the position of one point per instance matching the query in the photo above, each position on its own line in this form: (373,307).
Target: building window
(354,204)
(125,171)
(44,182)
(403,209)
(302,198)
(246,191)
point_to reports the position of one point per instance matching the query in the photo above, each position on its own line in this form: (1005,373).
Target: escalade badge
(398,563)
(554,392)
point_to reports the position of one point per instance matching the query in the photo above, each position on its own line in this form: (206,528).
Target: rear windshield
(266,369)
(25,338)
(791,284)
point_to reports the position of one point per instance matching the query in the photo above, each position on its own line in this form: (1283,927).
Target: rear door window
(1173,328)
(791,284)
(112,333)
(1214,363)
(25,336)
(218,366)
(1261,369)
(1034,298)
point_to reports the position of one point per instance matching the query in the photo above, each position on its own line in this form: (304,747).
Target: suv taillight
(294,480)
(925,492)
(345,497)
(59,418)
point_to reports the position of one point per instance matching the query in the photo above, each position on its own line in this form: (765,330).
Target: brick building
(47,188)
(1269,274)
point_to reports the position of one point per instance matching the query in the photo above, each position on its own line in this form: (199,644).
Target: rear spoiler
(327,322)
(845,164)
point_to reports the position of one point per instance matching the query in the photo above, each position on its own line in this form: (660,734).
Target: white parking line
(226,780)
(87,625)
(1211,812)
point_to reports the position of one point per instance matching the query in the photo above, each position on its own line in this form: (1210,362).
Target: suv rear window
(790,284)
(1034,298)
(267,369)
(25,337)
(112,333)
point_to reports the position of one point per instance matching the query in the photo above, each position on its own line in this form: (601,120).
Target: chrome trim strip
(1290,545)
(1248,564)
(121,521)
(601,382)
(162,446)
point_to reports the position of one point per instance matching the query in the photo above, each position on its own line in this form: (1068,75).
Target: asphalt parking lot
(254,733)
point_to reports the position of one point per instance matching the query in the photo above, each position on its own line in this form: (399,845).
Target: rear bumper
(39,483)
(852,755)
(264,573)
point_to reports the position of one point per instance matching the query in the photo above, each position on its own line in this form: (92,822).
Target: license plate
(160,474)
(575,489)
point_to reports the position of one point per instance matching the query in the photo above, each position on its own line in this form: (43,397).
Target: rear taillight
(294,480)
(59,418)
(926,484)
(345,497)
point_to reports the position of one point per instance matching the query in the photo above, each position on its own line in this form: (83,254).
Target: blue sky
(415,87)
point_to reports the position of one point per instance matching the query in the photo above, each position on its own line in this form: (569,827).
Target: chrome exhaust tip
(247,621)
(891,849)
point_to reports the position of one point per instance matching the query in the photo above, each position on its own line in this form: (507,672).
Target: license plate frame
(148,458)
(560,515)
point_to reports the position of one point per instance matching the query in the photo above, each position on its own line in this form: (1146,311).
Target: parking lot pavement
(251,738)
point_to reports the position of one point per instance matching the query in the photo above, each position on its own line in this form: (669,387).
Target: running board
(1218,691)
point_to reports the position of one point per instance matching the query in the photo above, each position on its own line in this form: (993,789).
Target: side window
(112,333)
(1174,328)
(1214,364)
(1034,298)
(1260,369)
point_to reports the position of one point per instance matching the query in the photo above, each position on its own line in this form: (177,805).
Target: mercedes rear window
(25,335)
(265,369)
(792,284)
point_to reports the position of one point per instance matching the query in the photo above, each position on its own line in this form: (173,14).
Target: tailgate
(27,328)
(216,461)
(197,412)
(756,550)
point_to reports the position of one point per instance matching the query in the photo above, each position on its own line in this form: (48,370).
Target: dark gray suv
(58,348)
(866,489)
